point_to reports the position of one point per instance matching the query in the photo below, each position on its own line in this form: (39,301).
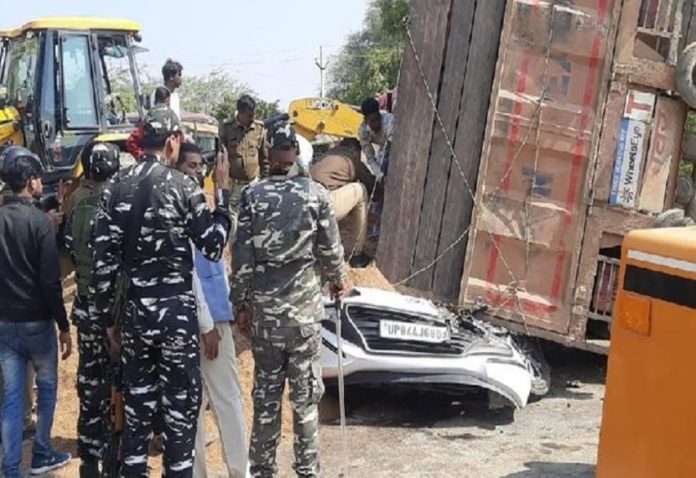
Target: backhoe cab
(65,82)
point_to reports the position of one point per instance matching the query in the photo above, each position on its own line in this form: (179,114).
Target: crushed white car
(391,338)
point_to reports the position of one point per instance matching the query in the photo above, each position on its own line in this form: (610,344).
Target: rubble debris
(673,218)
(689,147)
(690,211)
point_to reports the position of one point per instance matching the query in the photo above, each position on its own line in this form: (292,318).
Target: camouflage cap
(160,122)
(282,138)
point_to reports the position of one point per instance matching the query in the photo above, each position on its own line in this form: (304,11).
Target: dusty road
(427,435)
(412,434)
(417,434)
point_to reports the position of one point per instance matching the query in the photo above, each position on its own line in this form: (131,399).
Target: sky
(269,44)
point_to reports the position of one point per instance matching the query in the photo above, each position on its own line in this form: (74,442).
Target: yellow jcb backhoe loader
(64,82)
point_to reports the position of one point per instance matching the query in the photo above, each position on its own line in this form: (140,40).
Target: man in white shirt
(377,129)
(172,76)
(221,386)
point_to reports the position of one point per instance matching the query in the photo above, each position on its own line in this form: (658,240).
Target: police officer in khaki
(243,136)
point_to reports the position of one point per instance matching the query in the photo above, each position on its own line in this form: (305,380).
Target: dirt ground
(412,433)
(65,422)
(417,434)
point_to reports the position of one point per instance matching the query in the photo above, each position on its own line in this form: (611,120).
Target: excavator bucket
(313,117)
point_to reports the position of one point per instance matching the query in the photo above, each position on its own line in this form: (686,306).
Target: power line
(273,54)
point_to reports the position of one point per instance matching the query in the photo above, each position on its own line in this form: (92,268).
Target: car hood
(477,354)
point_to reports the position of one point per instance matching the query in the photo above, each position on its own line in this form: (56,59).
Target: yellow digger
(317,117)
(66,81)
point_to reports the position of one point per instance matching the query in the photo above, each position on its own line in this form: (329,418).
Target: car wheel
(541,371)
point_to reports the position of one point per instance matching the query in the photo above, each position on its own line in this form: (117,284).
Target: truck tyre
(684,76)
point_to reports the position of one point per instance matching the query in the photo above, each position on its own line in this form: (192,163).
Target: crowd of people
(153,299)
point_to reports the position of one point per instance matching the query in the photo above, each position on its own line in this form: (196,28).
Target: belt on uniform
(162,290)
(243,182)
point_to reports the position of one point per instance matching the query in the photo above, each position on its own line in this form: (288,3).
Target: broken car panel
(397,339)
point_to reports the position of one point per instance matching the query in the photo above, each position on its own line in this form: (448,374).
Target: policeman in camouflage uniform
(243,136)
(147,219)
(99,162)
(287,243)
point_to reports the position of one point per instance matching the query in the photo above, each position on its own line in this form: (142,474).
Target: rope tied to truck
(515,286)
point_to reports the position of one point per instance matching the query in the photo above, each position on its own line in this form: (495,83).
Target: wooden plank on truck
(637,62)
(539,153)
(663,156)
(411,143)
(454,72)
(473,113)
(611,127)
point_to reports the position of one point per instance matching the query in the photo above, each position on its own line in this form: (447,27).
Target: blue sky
(268,44)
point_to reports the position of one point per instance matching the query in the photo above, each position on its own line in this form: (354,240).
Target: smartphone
(217,145)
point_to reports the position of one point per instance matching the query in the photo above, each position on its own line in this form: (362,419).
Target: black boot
(89,469)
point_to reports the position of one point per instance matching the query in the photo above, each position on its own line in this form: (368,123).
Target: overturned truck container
(532,136)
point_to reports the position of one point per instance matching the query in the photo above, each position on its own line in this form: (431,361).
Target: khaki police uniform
(248,159)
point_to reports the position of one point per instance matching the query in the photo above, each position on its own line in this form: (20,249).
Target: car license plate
(391,329)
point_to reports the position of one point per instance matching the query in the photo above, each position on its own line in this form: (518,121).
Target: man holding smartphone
(221,387)
(31,304)
(148,217)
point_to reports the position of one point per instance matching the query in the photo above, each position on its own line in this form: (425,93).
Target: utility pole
(322,68)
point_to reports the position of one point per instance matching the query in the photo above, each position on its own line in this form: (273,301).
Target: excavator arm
(321,116)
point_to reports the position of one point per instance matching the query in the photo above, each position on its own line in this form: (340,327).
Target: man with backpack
(100,161)
(148,216)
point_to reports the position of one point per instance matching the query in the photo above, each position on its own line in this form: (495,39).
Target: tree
(369,61)
(207,93)
(122,85)
(266,109)
(214,93)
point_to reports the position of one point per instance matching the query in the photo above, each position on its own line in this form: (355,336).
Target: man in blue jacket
(221,387)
